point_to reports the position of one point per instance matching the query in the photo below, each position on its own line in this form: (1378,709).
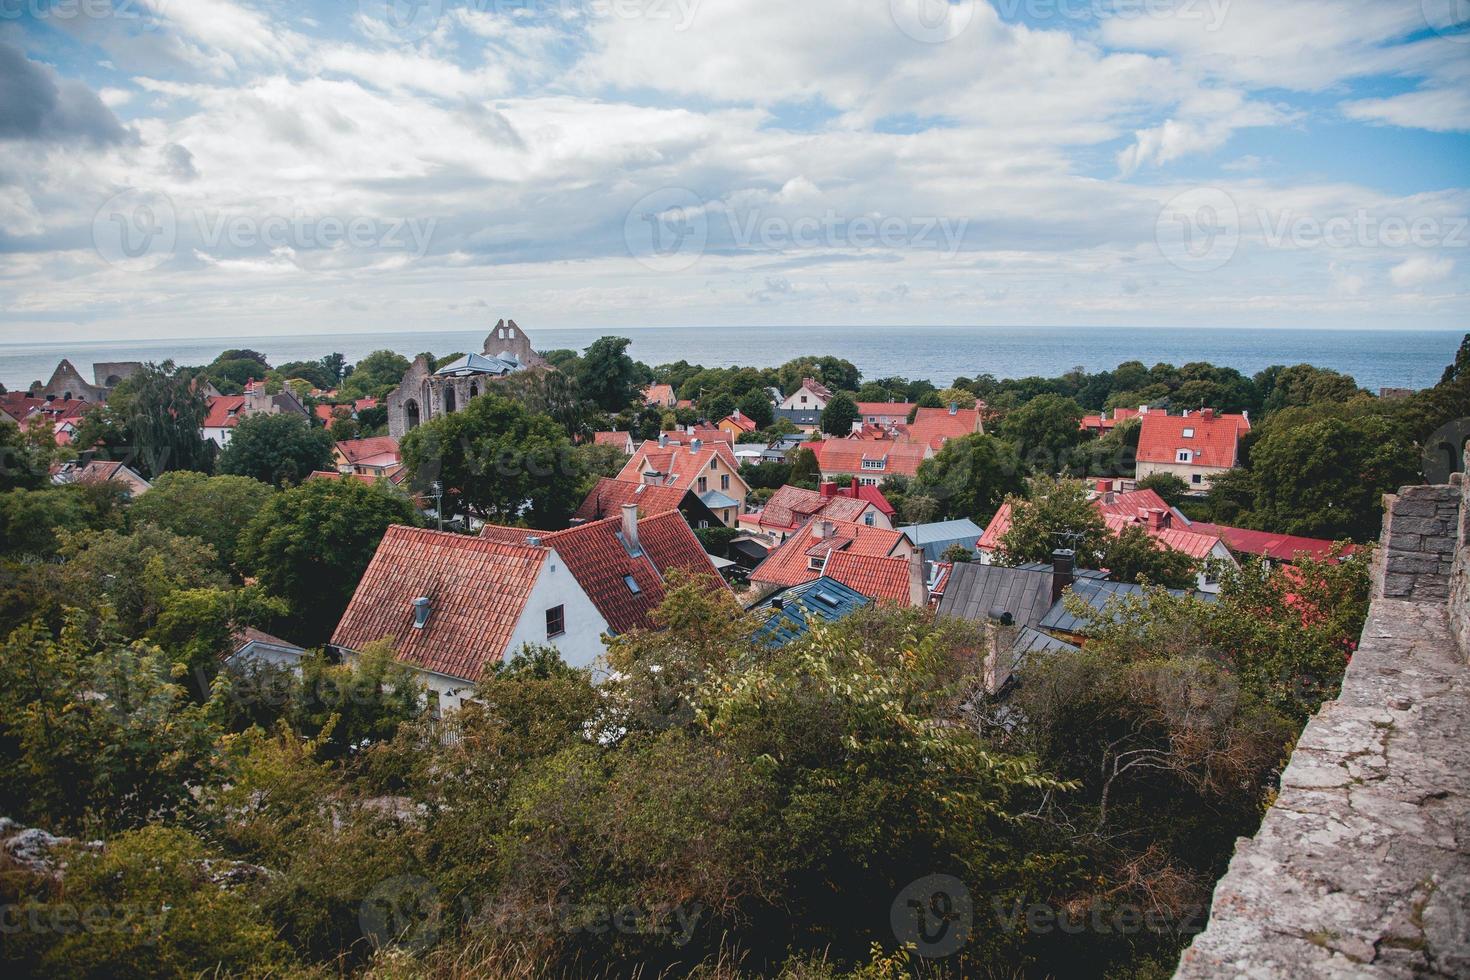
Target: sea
(1376,358)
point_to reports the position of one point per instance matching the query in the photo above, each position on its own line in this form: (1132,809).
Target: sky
(218,168)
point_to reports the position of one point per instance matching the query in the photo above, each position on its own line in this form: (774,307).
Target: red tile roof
(790,563)
(741,422)
(711,433)
(934,427)
(681,465)
(1214,439)
(224,411)
(622,440)
(846,456)
(1133,507)
(886,409)
(816,388)
(477,588)
(595,555)
(659,395)
(791,506)
(1174,536)
(884,579)
(372,451)
(609,496)
(1268,544)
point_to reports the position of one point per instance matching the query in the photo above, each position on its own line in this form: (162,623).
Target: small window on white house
(1196,478)
(1189,433)
(556,621)
(867,481)
(872,464)
(1184,456)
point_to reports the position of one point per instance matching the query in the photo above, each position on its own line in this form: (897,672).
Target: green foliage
(349,705)
(276,449)
(153,907)
(214,509)
(767,476)
(839,415)
(1133,555)
(805,470)
(756,405)
(607,376)
(196,627)
(834,372)
(134,574)
(969,477)
(25,457)
(375,375)
(1168,486)
(159,414)
(1044,431)
(1303,384)
(1054,514)
(311,544)
(499,461)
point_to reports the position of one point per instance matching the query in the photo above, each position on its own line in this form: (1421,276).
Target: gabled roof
(1097,594)
(598,559)
(622,440)
(974,590)
(681,465)
(791,506)
(848,456)
(741,422)
(224,411)
(608,497)
(479,364)
(1213,439)
(790,563)
(885,408)
(659,395)
(1175,536)
(1267,544)
(933,427)
(477,588)
(884,579)
(1123,511)
(816,388)
(820,600)
(370,451)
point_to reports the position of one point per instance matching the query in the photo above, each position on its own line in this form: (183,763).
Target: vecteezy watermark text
(139,230)
(669,229)
(71,10)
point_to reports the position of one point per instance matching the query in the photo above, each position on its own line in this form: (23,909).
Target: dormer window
(872,464)
(1184,456)
(815,563)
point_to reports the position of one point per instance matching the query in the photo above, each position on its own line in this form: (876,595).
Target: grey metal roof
(1042,566)
(942,531)
(825,600)
(975,589)
(1097,595)
(714,499)
(479,364)
(1030,641)
(800,416)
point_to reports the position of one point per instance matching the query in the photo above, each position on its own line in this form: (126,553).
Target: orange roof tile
(477,588)
(790,563)
(371,450)
(609,496)
(883,458)
(682,465)
(224,411)
(1213,439)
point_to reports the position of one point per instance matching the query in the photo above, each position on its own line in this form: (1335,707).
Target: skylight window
(632,584)
(1189,433)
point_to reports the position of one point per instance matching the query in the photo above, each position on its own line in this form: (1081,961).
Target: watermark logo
(1450,19)
(934,914)
(403,911)
(72,10)
(405,21)
(136,230)
(1198,230)
(932,21)
(667,230)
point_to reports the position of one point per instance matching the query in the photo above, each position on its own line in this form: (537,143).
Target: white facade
(804,398)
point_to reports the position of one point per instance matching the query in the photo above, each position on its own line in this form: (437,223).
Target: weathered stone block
(1420,525)
(1413,508)
(1395,585)
(1435,492)
(1413,564)
(1405,542)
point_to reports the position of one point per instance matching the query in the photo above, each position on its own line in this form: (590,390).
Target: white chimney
(918,582)
(663,440)
(630,528)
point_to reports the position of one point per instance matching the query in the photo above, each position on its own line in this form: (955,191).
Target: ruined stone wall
(1361,868)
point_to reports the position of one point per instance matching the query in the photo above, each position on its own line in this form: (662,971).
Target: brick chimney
(1207,413)
(918,581)
(852,488)
(1062,561)
(630,528)
(1104,486)
(828,489)
(1158,519)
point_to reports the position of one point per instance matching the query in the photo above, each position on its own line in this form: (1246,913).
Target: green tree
(314,372)
(1054,514)
(336,368)
(839,415)
(161,416)
(134,574)
(806,471)
(970,477)
(276,449)
(197,627)
(1327,478)
(1044,432)
(375,375)
(25,457)
(1133,555)
(607,376)
(355,703)
(1171,488)
(497,461)
(213,509)
(1303,384)
(311,544)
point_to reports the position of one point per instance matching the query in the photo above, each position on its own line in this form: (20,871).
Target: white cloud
(1441,110)
(1421,270)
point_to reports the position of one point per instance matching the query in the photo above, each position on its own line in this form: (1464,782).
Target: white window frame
(1183,456)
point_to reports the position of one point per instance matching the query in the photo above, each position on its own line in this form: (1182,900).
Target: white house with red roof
(375,456)
(453,606)
(660,396)
(869,461)
(811,396)
(1195,446)
(224,412)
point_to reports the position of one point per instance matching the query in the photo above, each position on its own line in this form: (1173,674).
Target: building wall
(804,398)
(67,382)
(1185,472)
(581,644)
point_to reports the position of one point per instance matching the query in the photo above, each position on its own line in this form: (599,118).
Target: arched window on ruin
(411,413)
(448,400)
(112,381)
